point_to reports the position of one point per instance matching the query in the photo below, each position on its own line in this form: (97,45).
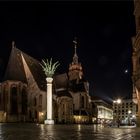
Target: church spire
(13,44)
(75,57)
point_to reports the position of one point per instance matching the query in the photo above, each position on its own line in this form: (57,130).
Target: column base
(49,122)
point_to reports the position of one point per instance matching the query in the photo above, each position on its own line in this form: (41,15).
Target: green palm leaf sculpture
(48,67)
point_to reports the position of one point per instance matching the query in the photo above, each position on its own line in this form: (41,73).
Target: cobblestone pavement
(27,131)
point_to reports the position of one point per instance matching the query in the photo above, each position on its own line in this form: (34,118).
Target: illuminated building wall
(127,109)
(136,58)
(102,111)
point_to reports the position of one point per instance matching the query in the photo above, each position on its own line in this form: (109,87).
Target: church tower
(78,87)
(75,68)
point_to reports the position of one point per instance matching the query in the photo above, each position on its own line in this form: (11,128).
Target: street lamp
(118,101)
(129,114)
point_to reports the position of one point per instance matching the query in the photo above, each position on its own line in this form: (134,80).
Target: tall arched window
(14,107)
(34,101)
(24,101)
(5,96)
(40,100)
(0,94)
(82,102)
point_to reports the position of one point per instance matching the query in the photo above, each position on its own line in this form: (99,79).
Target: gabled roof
(15,69)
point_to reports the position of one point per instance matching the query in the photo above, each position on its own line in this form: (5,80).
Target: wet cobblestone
(25,131)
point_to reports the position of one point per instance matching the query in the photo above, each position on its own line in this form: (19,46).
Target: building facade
(101,110)
(125,112)
(136,58)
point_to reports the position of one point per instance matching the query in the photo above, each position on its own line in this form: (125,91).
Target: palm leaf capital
(49,67)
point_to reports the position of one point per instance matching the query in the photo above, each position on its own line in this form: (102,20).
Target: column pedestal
(49,121)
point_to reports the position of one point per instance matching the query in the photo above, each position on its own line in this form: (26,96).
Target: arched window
(82,101)
(14,107)
(35,101)
(139,21)
(24,101)
(40,100)
(0,95)
(5,97)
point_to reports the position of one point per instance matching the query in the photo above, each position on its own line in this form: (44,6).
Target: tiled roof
(15,69)
(36,70)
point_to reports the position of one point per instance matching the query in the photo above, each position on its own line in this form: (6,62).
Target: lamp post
(49,68)
(118,102)
(129,115)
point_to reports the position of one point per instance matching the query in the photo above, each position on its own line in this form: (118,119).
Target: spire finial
(13,44)
(75,45)
(75,57)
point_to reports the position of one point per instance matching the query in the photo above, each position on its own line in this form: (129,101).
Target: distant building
(23,92)
(136,58)
(101,110)
(125,112)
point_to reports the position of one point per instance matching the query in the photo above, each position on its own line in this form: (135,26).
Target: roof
(36,70)
(15,69)
(63,93)
(61,81)
(61,85)
(75,86)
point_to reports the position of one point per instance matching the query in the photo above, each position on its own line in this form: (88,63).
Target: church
(23,91)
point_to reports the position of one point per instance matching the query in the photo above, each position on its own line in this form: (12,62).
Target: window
(14,106)
(24,101)
(40,100)
(82,101)
(139,60)
(0,97)
(139,21)
(35,101)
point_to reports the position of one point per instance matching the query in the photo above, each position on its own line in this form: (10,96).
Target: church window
(0,97)
(35,101)
(24,101)
(139,60)
(82,101)
(0,94)
(14,107)
(35,114)
(139,21)
(40,100)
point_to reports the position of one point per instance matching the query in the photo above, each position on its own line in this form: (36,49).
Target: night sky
(47,29)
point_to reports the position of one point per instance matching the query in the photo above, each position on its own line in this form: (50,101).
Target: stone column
(49,119)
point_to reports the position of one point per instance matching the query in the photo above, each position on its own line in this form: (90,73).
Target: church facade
(23,92)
